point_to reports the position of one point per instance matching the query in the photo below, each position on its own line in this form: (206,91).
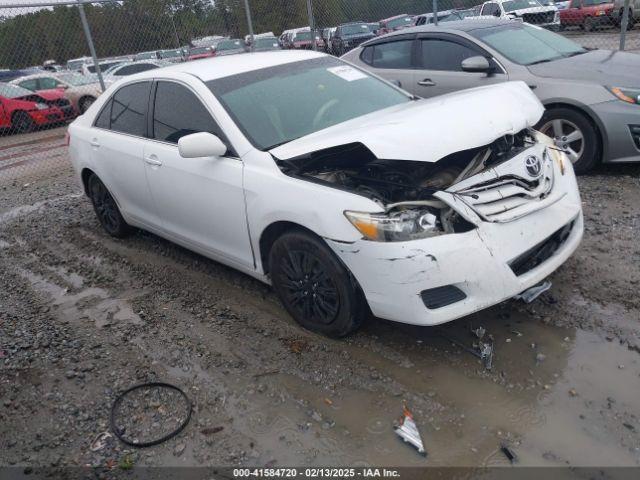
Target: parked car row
(592,96)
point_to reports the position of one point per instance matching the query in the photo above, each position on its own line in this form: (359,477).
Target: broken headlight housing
(629,95)
(396,226)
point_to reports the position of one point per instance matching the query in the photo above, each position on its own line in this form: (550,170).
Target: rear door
(393,60)
(200,200)
(440,71)
(117,146)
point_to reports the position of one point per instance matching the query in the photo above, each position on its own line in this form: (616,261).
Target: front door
(200,200)
(440,66)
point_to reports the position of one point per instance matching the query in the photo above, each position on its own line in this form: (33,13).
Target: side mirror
(201,144)
(476,64)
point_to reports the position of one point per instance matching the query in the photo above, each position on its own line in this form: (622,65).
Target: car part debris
(100,441)
(408,431)
(482,350)
(120,432)
(211,430)
(510,454)
(478,332)
(532,293)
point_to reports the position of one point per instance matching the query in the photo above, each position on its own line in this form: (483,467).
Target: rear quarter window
(129,109)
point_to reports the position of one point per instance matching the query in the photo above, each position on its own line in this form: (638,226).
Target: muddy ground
(84,316)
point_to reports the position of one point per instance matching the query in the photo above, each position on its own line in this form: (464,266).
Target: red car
(395,23)
(588,14)
(200,52)
(22,110)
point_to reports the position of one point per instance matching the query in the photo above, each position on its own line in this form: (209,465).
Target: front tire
(588,24)
(574,133)
(314,286)
(106,209)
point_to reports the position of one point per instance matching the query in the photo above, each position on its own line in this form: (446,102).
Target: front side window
(399,22)
(48,83)
(528,44)
(444,55)
(490,9)
(129,110)
(396,55)
(178,112)
(279,104)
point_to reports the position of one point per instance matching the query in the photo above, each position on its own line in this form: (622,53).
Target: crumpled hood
(428,130)
(604,67)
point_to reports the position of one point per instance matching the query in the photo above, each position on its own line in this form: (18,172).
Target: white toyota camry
(344,192)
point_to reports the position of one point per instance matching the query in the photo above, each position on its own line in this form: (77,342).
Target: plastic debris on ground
(408,431)
(532,293)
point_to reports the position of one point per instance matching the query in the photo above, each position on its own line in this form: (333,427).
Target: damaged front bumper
(436,280)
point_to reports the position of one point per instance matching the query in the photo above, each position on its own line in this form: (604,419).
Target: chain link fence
(56,58)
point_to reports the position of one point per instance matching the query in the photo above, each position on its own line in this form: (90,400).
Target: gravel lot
(84,316)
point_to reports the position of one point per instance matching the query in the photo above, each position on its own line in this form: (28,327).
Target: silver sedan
(592,97)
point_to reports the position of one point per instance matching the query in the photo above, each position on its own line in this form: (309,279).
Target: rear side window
(31,84)
(48,83)
(395,55)
(178,112)
(490,9)
(129,109)
(104,119)
(444,55)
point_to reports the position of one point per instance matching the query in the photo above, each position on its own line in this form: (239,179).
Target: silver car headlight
(397,226)
(42,106)
(629,95)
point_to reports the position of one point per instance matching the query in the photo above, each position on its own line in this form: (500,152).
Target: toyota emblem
(533,166)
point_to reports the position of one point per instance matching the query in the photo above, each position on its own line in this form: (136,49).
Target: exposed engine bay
(400,186)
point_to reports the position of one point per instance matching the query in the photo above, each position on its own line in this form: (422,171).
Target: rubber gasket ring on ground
(172,434)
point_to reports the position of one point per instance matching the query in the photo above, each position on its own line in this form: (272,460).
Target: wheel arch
(271,233)
(84,177)
(588,114)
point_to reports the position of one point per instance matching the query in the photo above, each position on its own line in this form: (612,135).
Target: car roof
(467,25)
(227,66)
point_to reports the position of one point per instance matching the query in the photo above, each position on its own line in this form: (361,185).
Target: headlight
(42,106)
(398,226)
(629,95)
(554,152)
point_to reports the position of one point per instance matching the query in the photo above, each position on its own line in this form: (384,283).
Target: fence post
(249,24)
(87,33)
(312,24)
(624,23)
(435,12)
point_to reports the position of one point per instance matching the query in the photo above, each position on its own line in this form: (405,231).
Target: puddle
(94,304)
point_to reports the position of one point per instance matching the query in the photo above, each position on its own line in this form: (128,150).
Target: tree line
(30,37)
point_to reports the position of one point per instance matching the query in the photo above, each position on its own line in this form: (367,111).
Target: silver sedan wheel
(567,136)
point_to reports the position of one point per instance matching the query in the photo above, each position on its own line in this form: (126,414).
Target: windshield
(399,22)
(12,91)
(278,104)
(171,53)
(302,37)
(75,64)
(528,44)
(75,79)
(267,42)
(355,29)
(229,45)
(145,56)
(586,3)
(199,50)
(512,5)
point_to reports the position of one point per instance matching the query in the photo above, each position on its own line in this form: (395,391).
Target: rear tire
(561,124)
(106,209)
(22,122)
(314,286)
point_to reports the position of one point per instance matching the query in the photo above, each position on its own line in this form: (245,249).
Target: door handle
(95,143)
(427,82)
(152,160)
